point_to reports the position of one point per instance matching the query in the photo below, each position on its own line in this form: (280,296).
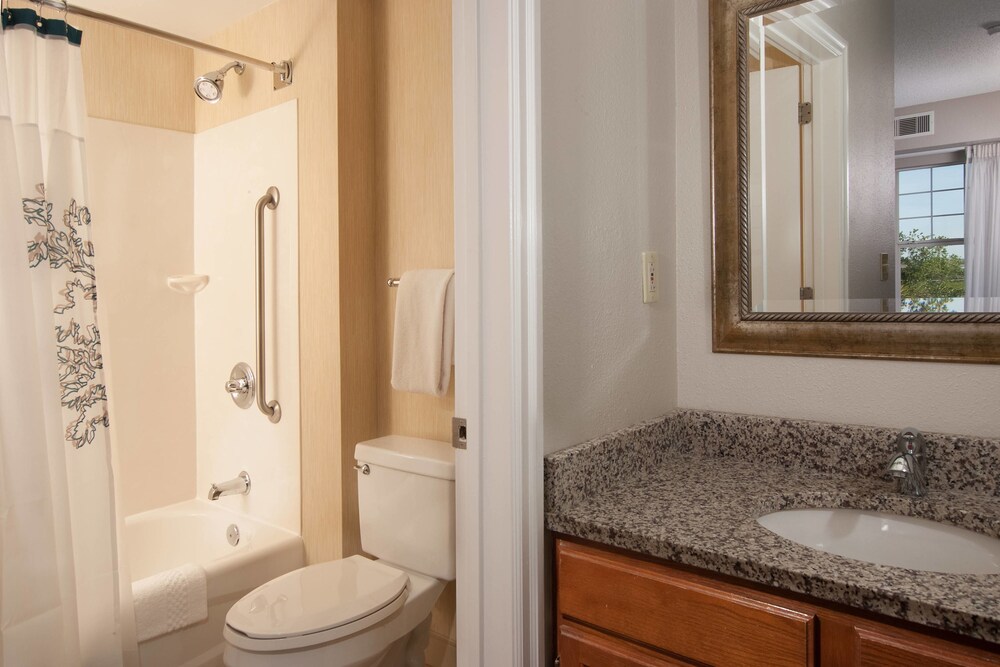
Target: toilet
(358,611)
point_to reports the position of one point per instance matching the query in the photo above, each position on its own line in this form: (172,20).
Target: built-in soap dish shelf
(191,283)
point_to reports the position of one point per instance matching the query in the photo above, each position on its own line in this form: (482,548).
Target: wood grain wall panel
(359,289)
(151,85)
(414,226)
(304,31)
(414,213)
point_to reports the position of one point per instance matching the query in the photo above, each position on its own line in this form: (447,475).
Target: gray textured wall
(868,29)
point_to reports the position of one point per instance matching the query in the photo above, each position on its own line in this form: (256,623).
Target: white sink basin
(888,539)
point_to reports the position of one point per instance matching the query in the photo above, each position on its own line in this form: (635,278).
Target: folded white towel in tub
(170,600)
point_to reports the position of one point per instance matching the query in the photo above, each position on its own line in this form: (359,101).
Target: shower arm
(282,69)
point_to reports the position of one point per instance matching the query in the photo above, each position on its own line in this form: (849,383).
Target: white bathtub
(195,532)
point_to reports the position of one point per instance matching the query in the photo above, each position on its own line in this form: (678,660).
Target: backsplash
(596,464)
(955,462)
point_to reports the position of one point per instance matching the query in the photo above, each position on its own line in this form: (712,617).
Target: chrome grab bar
(272,410)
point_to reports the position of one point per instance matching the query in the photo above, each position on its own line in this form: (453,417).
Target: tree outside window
(931,206)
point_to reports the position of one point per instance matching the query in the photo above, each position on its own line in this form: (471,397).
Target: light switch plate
(650,277)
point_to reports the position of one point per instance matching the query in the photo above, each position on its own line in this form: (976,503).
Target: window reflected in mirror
(931,276)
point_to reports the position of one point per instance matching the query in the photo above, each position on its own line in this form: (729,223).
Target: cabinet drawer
(581,647)
(679,612)
(885,648)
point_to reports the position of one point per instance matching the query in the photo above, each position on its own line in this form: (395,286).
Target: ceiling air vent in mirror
(914,125)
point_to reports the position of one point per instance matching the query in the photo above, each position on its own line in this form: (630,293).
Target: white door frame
(498,333)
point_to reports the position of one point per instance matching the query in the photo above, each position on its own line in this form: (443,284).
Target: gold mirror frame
(957,337)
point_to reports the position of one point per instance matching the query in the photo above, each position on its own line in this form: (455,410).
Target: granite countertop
(651,491)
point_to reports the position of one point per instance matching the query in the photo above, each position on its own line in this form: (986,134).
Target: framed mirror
(856,178)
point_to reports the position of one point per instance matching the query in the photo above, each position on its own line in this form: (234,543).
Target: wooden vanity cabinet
(581,646)
(874,646)
(616,610)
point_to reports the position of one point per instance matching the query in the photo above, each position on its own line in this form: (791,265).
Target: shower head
(209,86)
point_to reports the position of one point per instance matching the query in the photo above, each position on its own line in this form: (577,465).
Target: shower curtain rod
(282,70)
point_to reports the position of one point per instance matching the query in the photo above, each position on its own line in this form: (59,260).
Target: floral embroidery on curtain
(84,395)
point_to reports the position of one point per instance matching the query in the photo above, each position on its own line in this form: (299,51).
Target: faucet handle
(237,386)
(241,385)
(911,441)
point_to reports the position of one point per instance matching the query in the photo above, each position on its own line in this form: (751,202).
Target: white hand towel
(423,338)
(170,600)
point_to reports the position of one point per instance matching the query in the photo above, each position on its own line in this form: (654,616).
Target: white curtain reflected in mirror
(874,167)
(982,241)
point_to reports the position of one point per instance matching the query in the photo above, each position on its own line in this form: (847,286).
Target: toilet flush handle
(365,470)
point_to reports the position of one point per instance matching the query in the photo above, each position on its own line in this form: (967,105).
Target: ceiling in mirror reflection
(943,51)
(850,211)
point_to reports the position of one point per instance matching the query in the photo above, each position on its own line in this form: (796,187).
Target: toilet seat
(316,604)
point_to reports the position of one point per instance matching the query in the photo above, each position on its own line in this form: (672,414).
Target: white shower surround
(141,182)
(235,163)
(169,354)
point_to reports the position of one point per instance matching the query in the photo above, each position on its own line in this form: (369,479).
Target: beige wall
(151,85)
(396,207)
(396,178)
(414,226)
(306,32)
(359,289)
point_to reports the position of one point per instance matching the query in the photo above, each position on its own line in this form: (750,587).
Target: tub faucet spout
(239,484)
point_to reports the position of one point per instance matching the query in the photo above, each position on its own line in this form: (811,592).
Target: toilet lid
(317,598)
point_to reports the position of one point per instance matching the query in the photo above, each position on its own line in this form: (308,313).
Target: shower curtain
(982,236)
(59,601)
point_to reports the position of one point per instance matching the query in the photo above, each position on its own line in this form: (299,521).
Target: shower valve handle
(237,386)
(241,385)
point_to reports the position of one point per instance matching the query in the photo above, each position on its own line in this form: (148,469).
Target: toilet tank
(406,503)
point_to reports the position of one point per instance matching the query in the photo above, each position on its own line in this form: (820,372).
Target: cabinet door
(681,613)
(580,647)
(888,648)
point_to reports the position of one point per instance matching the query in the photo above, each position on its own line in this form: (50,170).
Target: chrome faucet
(909,465)
(238,485)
